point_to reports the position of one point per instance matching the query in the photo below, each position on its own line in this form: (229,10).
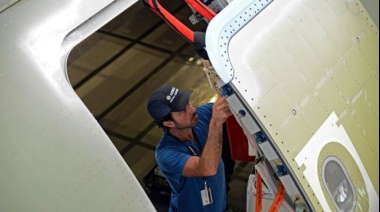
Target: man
(189,153)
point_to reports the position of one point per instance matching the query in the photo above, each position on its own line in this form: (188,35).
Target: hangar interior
(115,69)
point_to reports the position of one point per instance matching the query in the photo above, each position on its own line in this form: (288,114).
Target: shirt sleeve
(172,162)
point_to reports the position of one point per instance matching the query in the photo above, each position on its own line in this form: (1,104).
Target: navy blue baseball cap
(167,99)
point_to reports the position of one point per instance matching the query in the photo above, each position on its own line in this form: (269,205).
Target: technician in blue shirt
(189,153)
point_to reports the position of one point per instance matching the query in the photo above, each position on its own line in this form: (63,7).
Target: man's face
(186,118)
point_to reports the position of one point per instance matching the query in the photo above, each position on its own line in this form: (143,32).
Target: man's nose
(190,108)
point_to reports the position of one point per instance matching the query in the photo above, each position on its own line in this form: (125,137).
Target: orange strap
(202,9)
(259,192)
(173,22)
(279,198)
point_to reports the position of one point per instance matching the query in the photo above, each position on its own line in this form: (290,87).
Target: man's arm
(207,164)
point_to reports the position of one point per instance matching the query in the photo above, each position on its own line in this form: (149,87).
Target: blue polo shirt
(171,156)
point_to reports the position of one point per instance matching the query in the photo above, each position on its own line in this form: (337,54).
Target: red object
(176,24)
(259,192)
(202,9)
(172,21)
(238,141)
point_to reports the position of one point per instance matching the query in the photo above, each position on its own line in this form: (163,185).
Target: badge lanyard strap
(198,144)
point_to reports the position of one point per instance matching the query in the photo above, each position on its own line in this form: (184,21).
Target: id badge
(206,195)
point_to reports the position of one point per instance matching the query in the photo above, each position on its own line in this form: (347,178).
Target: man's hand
(221,111)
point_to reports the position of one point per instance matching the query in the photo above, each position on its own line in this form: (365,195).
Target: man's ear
(168,124)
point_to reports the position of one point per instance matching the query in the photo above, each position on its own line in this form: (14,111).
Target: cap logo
(172,94)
